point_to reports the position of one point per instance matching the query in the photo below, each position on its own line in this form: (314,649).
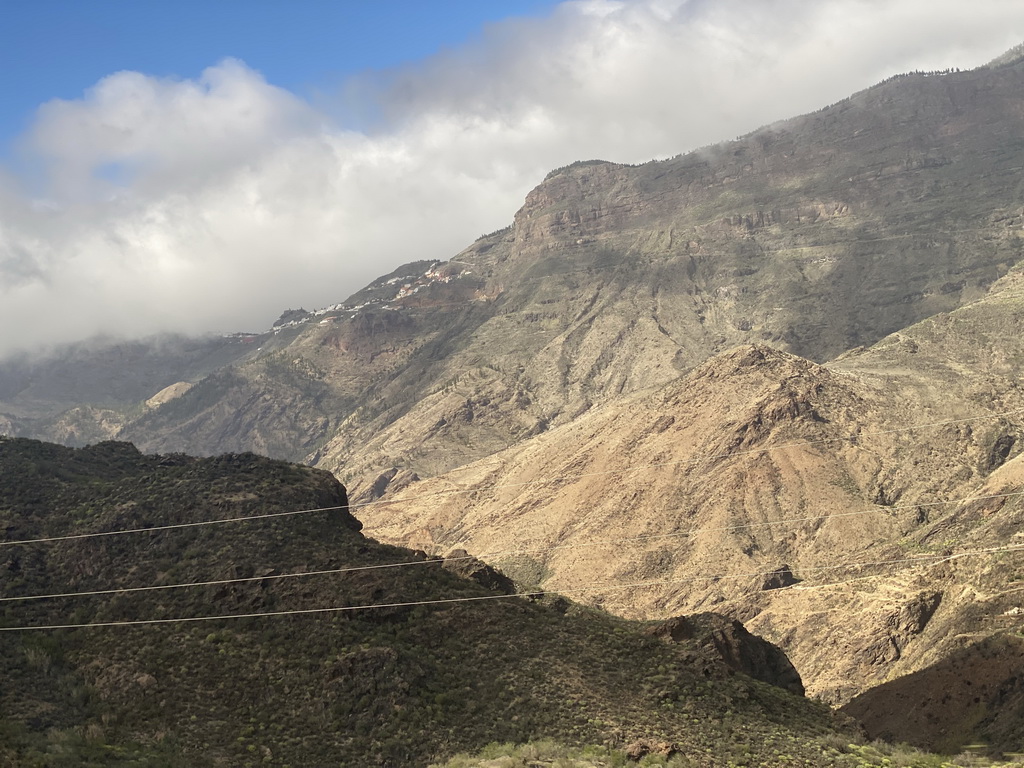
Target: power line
(239,580)
(591,587)
(155,528)
(292,612)
(550,479)
(489,555)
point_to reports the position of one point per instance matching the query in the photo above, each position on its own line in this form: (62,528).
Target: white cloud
(212,204)
(166,133)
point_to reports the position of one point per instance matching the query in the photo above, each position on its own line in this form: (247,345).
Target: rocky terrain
(887,484)
(293,671)
(776,378)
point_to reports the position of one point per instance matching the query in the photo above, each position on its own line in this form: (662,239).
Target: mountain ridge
(435,663)
(672,257)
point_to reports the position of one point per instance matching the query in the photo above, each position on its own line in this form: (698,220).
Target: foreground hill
(442,665)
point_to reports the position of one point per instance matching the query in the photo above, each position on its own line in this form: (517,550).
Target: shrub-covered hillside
(399,685)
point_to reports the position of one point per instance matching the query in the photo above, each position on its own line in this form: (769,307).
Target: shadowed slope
(390,686)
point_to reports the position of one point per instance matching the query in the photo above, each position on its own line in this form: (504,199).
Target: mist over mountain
(777,378)
(150,204)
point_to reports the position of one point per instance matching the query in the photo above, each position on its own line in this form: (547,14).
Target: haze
(211,203)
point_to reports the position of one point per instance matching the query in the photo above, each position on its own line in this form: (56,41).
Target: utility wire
(591,587)
(153,529)
(491,555)
(550,479)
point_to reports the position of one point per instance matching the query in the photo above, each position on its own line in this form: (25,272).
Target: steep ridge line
(554,478)
(593,586)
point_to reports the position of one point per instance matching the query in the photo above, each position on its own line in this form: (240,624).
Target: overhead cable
(550,479)
(591,587)
(487,555)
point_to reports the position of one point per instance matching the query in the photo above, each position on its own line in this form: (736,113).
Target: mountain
(697,491)
(86,392)
(814,235)
(777,378)
(302,676)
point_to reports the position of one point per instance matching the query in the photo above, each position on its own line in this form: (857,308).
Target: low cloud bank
(211,204)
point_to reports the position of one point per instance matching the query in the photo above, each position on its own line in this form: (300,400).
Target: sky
(199,167)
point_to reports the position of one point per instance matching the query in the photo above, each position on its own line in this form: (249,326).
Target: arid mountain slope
(814,235)
(757,459)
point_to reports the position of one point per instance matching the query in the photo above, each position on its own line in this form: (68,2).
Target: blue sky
(59,48)
(175,165)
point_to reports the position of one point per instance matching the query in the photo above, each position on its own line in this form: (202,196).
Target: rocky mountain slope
(864,514)
(442,663)
(814,235)
(777,377)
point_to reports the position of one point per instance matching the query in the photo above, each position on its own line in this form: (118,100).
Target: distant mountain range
(779,377)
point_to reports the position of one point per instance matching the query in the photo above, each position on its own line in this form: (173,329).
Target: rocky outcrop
(900,627)
(912,617)
(291,316)
(465,565)
(778,579)
(391,480)
(739,649)
(168,393)
(641,748)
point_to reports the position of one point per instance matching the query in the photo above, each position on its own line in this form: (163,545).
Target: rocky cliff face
(742,651)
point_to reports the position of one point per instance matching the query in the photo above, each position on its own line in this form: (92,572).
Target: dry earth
(859,476)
